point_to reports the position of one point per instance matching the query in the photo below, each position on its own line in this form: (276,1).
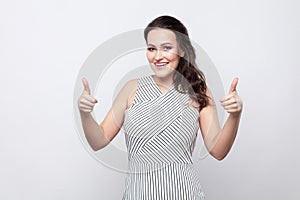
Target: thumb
(233,85)
(86,85)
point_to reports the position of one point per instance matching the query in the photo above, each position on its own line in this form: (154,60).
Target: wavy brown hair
(190,79)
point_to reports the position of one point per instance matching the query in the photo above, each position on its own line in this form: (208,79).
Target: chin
(162,73)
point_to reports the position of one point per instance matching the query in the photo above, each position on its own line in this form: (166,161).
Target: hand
(232,103)
(86,102)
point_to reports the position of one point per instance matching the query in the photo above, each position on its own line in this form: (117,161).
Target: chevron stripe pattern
(160,132)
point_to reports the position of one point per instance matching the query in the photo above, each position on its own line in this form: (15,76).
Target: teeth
(163,64)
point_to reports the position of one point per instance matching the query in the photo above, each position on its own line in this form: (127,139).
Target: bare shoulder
(195,104)
(126,91)
(210,97)
(130,86)
(130,90)
(132,83)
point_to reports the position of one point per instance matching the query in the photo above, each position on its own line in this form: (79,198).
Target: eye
(167,48)
(150,49)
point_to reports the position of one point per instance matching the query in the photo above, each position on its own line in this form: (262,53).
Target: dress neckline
(159,90)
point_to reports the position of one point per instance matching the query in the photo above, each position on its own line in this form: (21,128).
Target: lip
(161,65)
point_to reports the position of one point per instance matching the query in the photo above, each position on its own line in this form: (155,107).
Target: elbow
(100,142)
(218,157)
(97,147)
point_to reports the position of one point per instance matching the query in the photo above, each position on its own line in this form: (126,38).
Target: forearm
(93,132)
(226,137)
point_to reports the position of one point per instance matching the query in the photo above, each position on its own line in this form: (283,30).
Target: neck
(165,82)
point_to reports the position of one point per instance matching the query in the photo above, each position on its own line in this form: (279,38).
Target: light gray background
(44,43)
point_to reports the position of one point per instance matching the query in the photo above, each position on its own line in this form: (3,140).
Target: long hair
(190,79)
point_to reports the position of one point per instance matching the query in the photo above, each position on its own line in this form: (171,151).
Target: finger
(232,111)
(231,106)
(86,110)
(235,110)
(233,85)
(227,97)
(86,85)
(228,102)
(86,106)
(90,98)
(86,102)
(83,106)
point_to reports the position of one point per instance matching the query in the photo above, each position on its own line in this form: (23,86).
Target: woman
(161,115)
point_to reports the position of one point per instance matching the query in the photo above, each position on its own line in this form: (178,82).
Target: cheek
(149,55)
(172,57)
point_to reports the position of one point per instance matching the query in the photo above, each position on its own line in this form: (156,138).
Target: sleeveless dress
(160,131)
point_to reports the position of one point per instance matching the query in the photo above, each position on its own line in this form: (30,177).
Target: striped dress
(160,131)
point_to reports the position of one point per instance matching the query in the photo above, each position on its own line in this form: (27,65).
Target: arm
(93,133)
(219,140)
(98,136)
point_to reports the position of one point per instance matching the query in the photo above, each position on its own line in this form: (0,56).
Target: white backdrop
(44,43)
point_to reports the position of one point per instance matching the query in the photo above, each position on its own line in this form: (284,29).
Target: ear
(181,53)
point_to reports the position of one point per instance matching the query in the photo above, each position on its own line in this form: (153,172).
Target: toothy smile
(161,64)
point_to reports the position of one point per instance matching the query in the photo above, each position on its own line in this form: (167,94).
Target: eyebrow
(161,44)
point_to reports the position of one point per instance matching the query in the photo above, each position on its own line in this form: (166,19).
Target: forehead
(158,36)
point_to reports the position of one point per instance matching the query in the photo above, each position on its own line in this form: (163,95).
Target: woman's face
(163,52)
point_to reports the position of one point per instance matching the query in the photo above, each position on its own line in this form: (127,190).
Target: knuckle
(234,99)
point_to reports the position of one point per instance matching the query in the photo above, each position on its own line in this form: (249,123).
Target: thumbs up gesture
(86,102)
(232,103)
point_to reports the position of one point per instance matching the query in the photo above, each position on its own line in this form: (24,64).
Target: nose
(158,55)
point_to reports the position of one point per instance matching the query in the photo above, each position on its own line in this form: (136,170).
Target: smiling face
(163,52)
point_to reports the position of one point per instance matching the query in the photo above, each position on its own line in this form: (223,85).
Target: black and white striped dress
(160,132)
